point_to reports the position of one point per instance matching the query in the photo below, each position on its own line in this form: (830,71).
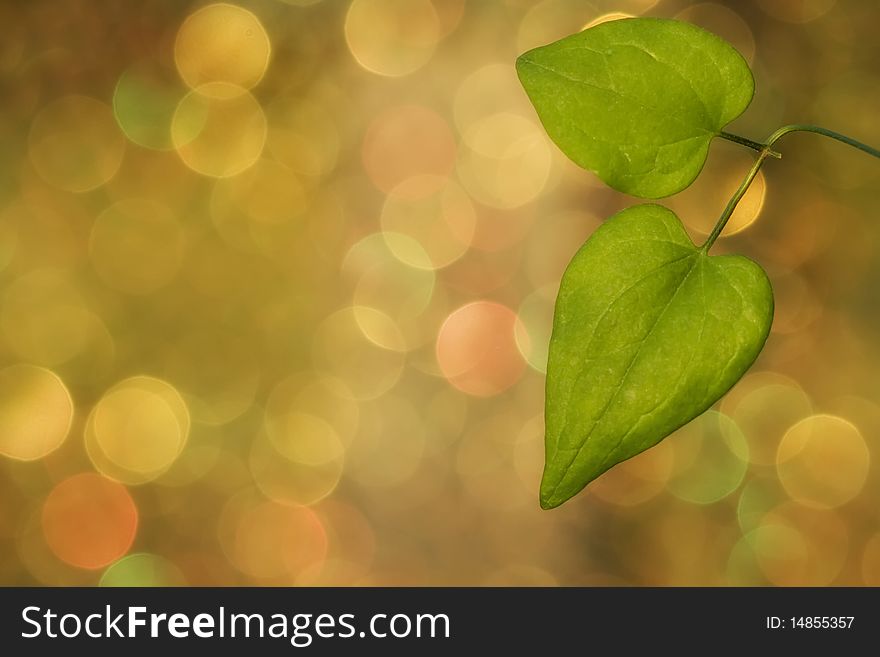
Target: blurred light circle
(351,540)
(774,552)
(142,570)
(136,246)
(37,558)
(489,90)
(36,412)
(507,162)
(408,140)
(219,134)
(89,521)
(378,267)
(144,101)
(607,18)
(304,438)
(389,445)
(75,144)
(137,430)
(477,349)
(797,305)
(270,541)
(825,548)
(392,37)
(535,326)
(638,479)
(711,459)
(309,476)
(342,350)
(764,405)
(379,328)
(756,498)
(718,181)
(723,22)
(550,21)
(442,221)
(319,396)
(796,11)
(222,43)
(823,461)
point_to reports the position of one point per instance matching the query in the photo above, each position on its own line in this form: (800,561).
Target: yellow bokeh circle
(823,461)
(222,43)
(392,37)
(217,131)
(137,430)
(35,412)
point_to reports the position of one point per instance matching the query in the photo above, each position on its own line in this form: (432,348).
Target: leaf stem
(772,139)
(765,150)
(737,195)
(748,143)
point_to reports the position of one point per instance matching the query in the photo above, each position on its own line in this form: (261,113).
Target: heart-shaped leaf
(638,100)
(649,332)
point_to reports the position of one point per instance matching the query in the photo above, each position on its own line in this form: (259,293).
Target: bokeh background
(276,284)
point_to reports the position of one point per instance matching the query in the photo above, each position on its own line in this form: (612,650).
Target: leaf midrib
(697,258)
(689,127)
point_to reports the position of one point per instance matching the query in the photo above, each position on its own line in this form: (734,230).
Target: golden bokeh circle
(366,366)
(442,220)
(823,461)
(764,405)
(222,43)
(36,412)
(218,131)
(507,161)
(137,430)
(306,468)
(75,144)
(392,37)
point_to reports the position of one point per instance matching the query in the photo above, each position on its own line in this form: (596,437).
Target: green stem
(764,151)
(737,195)
(748,143)
(772,139)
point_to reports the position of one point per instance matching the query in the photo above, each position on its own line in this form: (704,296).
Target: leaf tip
(547,503)
(549,497)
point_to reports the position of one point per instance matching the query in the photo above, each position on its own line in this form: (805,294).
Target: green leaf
(638,100)
(649,332)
